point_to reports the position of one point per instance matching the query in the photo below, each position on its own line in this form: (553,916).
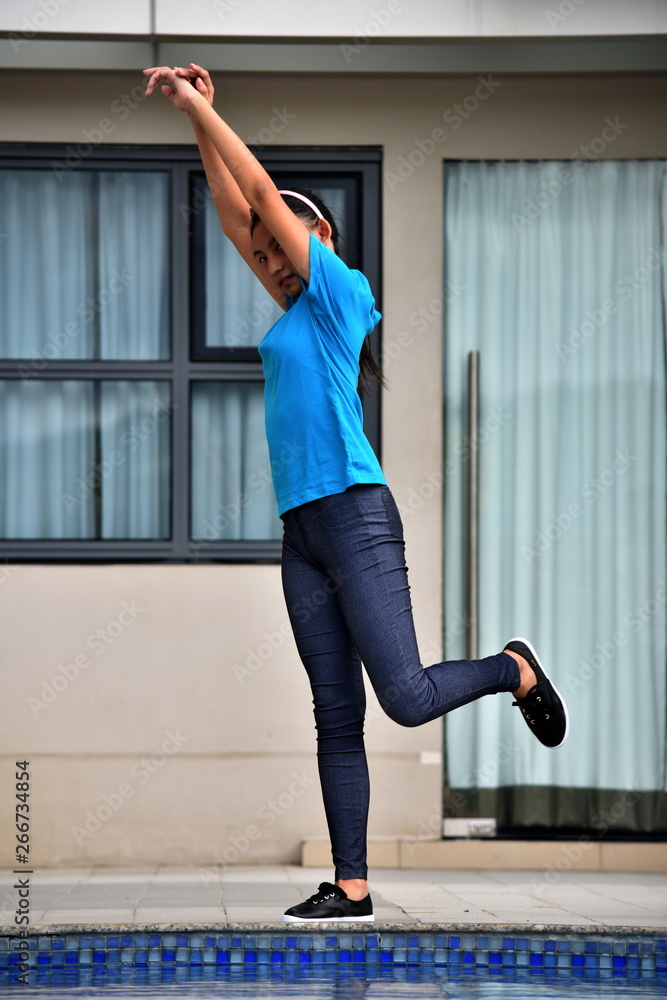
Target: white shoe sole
(325,920)
(519,638)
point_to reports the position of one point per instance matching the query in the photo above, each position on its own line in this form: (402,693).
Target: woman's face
(271,256)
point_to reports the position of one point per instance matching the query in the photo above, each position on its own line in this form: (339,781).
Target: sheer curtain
(556,274)
(232,491)
(86,277)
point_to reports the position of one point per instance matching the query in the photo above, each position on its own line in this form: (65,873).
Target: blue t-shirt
(314,419)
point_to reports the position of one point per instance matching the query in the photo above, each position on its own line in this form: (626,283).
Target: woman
(343,537)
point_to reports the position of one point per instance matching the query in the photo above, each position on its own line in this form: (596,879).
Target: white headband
(307,201)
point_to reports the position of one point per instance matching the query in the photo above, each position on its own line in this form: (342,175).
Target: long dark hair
(370,373)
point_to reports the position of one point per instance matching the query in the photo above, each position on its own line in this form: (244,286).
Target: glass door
(556,272)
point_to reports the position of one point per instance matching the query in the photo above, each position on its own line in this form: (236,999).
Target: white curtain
(555,272)
(83,275)
(232,491)
(45,444)
(84,271)
(135,440)
(80,459)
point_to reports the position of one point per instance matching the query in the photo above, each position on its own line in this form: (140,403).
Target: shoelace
(322,894)
(525,710)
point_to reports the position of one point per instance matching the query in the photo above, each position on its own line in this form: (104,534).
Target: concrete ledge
(525,855)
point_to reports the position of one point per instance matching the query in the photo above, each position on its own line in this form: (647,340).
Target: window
(131,389)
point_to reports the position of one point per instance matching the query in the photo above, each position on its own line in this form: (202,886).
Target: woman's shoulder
(329,270)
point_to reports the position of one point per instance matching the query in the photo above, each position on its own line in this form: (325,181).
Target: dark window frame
(182,369)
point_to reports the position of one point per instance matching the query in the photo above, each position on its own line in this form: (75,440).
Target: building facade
(500,168)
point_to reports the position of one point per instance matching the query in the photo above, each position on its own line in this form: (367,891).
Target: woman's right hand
(200,80)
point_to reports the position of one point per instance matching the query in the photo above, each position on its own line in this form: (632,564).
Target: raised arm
(237,166)
(232,208)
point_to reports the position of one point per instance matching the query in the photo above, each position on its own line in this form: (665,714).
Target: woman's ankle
(354,888)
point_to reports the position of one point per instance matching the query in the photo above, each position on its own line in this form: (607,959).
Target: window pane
(83,459)
(232,491)
(88,272)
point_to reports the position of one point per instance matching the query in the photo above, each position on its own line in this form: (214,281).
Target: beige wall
(186,761)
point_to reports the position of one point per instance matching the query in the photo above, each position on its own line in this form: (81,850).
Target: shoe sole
(519,638)
(324,920)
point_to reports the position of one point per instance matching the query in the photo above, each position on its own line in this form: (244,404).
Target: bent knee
(405,714)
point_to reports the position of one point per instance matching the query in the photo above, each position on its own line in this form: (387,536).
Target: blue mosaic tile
(591,955)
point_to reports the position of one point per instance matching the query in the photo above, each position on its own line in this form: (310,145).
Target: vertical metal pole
(473,505)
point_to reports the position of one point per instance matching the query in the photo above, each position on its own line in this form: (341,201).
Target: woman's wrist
(194,112)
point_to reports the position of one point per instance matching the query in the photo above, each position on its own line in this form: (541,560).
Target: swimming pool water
(362,983)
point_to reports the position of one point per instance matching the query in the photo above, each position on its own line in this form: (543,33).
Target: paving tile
(83,916)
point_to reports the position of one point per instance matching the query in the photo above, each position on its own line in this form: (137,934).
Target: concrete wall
(151,735)
(370,18)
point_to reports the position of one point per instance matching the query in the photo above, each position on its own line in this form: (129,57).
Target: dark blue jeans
(348,598)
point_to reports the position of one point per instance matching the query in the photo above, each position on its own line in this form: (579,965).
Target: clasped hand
(183,87)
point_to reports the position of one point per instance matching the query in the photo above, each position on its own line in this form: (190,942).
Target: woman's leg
(334,670)
(357,539)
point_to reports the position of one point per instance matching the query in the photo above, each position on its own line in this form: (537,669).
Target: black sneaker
(330,903)
(543,708)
